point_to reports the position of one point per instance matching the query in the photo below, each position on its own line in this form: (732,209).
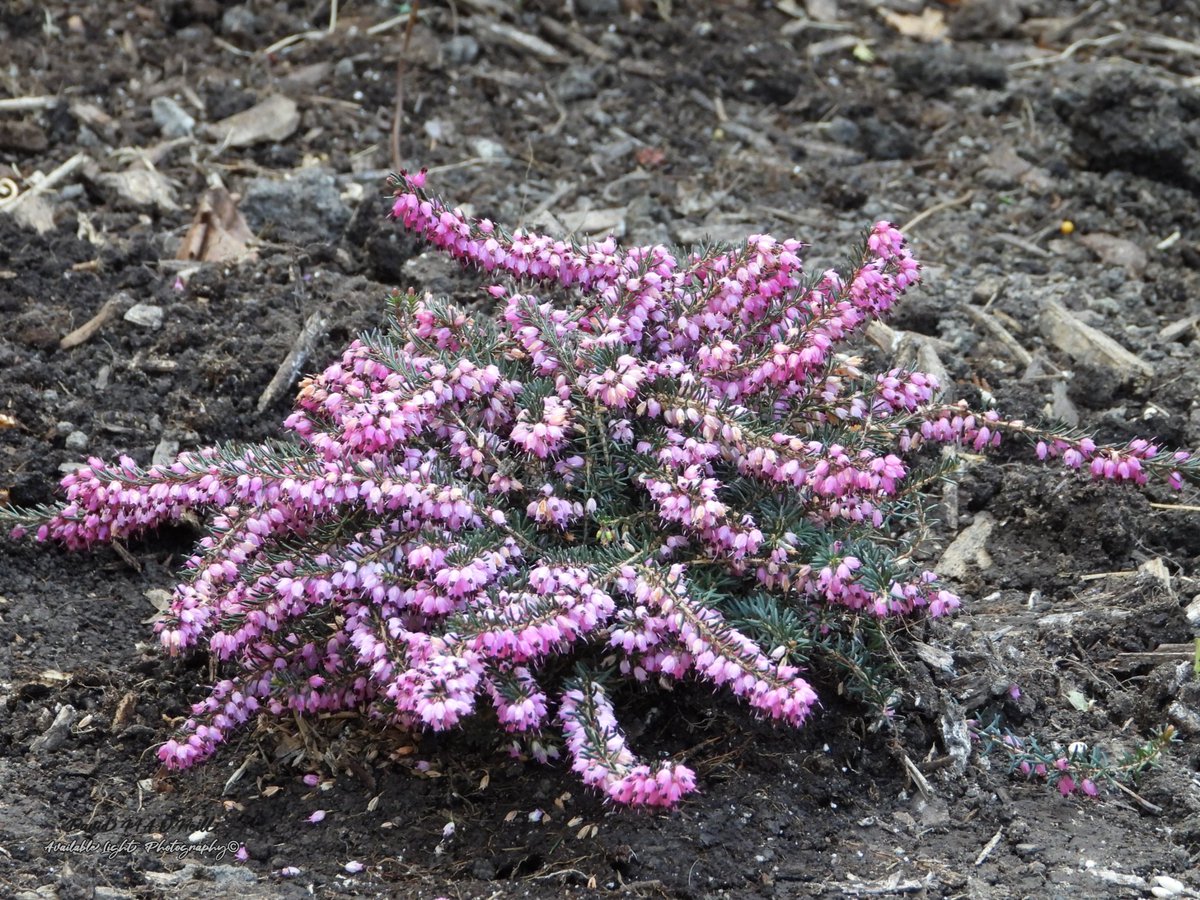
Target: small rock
(1184,718)
(344,68)
(77,441)
(968,553)
(164,453)
(229,875)
(577,83)
(486,148)
(1117,251)
(171,118)
(841,130)
(461,50)
(985,19)
(886,140)
(58,731)
(139,188)
(305,208)
(22,137)
(1193,612)
(274,119)
(239,21)
(146,315)
(598,7)
(939,69)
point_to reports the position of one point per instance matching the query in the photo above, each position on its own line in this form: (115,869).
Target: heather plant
(1074,768)
(648,467)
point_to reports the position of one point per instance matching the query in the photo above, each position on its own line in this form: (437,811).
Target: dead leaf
(35,212)
(929,26)
(274,119)
(218,231)
(7,421)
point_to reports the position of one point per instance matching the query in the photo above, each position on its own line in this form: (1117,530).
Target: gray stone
(843,131)
(486,148)
(306,208)
(172,120)
(937,70)
(598,7)
(77,441)
(577,83)
(968,553)
(985,19)
(145,315)
(165,452)
(230,875)
(1193,613)
(239,21)
(461,50)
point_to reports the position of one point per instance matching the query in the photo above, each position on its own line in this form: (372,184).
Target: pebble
(172,120)
(239,20)
(486,148)
(146,315)
(165,452)
(598,7)
(985,19)
(1193,613)
(462,49)
(305,208)
(77,441)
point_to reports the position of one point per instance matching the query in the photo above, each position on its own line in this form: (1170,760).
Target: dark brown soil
(717,118)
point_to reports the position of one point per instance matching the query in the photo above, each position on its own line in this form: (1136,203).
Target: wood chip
(1085,344)
(929,26)
(88,329)
(1176,330)
(575,38)
(218,231)
(515,38)
(1000,333)
(290,368)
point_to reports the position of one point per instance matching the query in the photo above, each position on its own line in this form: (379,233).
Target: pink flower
(317,816)
(353,867)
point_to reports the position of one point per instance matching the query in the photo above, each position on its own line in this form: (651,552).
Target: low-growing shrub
(663,468)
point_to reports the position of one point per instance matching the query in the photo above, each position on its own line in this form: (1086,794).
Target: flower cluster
(600,474)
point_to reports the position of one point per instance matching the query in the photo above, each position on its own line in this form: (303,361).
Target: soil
(662,122)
